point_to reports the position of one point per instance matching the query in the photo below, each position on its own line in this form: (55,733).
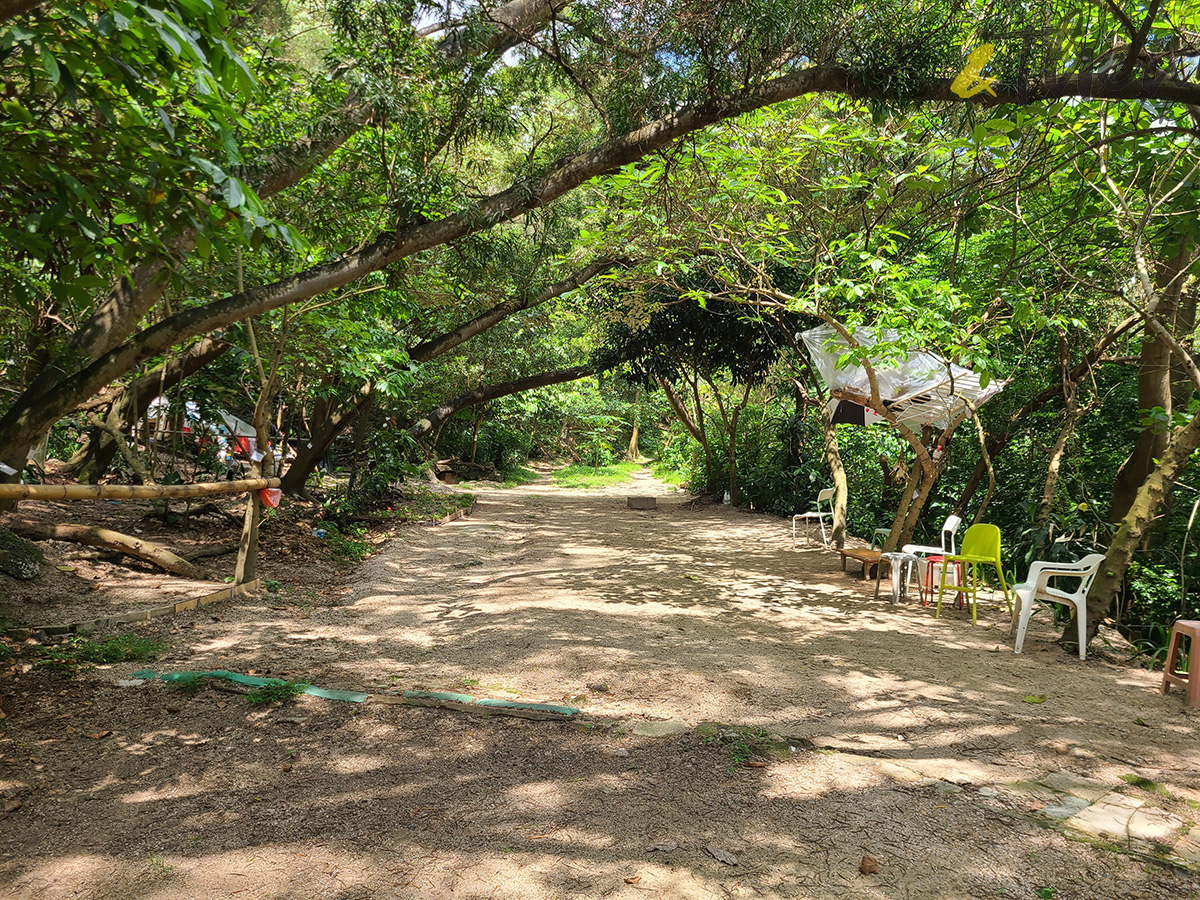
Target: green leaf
(1035,698)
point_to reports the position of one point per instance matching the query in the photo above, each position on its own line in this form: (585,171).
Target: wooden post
(247,561)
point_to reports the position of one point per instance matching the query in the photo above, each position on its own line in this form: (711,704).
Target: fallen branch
(108,539)
(209,552)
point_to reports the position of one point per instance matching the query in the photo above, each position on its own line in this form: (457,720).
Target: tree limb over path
(30,416)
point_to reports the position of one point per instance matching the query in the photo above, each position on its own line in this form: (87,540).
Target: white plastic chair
(949,547)
(824,496)
(1037,587)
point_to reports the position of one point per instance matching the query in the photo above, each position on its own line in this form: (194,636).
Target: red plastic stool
(931,585)
(1190,682)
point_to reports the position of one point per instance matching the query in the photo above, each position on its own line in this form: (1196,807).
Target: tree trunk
(309,453)
(633,453)
(109,540)
(693,428)
(1154,389)
(1137,521)
(1071,416)
(92,463)
(841,488)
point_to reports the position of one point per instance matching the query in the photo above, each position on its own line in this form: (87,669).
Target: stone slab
(642,503)
(1076,785)
(1065,807)
(666,728)
(1107,818)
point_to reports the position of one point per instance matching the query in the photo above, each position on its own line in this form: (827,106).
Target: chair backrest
(825,495)
(1086,583)
(982,540)
(949,530)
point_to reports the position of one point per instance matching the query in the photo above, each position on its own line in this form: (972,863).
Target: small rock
(988,792)
(945,787)
(868,866)
(662,847)
(130,682)
(599,688)
(720,854)
(620,751)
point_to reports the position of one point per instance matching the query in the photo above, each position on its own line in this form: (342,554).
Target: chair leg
(1003,586)
(1023,624)
(824,539)
(941,592)
(1173,644)
(974,593)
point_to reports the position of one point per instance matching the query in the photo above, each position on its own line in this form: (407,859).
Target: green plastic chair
(980,547)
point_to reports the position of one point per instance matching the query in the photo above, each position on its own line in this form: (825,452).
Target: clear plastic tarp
(920,388)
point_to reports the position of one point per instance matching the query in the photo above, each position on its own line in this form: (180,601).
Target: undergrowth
(76,653)
(277,691)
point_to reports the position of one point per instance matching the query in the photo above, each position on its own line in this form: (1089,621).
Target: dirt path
(940,770)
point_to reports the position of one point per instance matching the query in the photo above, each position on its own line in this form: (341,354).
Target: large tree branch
(28,416)
(427,350)
(494,391)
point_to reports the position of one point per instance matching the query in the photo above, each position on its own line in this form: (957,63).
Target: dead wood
(108,539)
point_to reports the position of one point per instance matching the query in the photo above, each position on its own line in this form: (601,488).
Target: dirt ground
(896,736)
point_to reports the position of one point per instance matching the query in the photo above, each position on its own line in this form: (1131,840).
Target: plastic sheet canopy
(920,389)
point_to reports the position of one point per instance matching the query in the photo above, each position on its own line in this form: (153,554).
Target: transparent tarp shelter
(920,388)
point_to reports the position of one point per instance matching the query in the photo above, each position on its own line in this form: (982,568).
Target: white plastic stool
(900,566)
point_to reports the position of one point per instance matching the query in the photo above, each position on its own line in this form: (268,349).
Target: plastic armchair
(1036,586)
(824,496)
(980,547)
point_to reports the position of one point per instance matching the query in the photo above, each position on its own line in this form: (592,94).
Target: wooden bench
(868,558)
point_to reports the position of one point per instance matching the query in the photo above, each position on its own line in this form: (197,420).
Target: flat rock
(1076,785)
(1108,817)
(665,728)
(1065,807)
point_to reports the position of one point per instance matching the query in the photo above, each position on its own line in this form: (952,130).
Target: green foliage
(277,691)
(347,543)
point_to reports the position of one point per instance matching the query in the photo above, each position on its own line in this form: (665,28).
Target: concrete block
(642,503)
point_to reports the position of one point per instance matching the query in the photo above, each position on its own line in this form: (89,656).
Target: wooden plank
(132,491)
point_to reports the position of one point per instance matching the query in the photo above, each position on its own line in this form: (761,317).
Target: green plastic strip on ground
(251,680)
(356,696)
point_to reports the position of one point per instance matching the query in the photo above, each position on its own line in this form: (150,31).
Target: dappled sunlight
(710,617)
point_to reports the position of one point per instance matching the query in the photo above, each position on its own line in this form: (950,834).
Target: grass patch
(1146,784)
(77,653)
(277,691)
(577,476)
(126,648)
(666,474)
(190,686)
(521,475)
